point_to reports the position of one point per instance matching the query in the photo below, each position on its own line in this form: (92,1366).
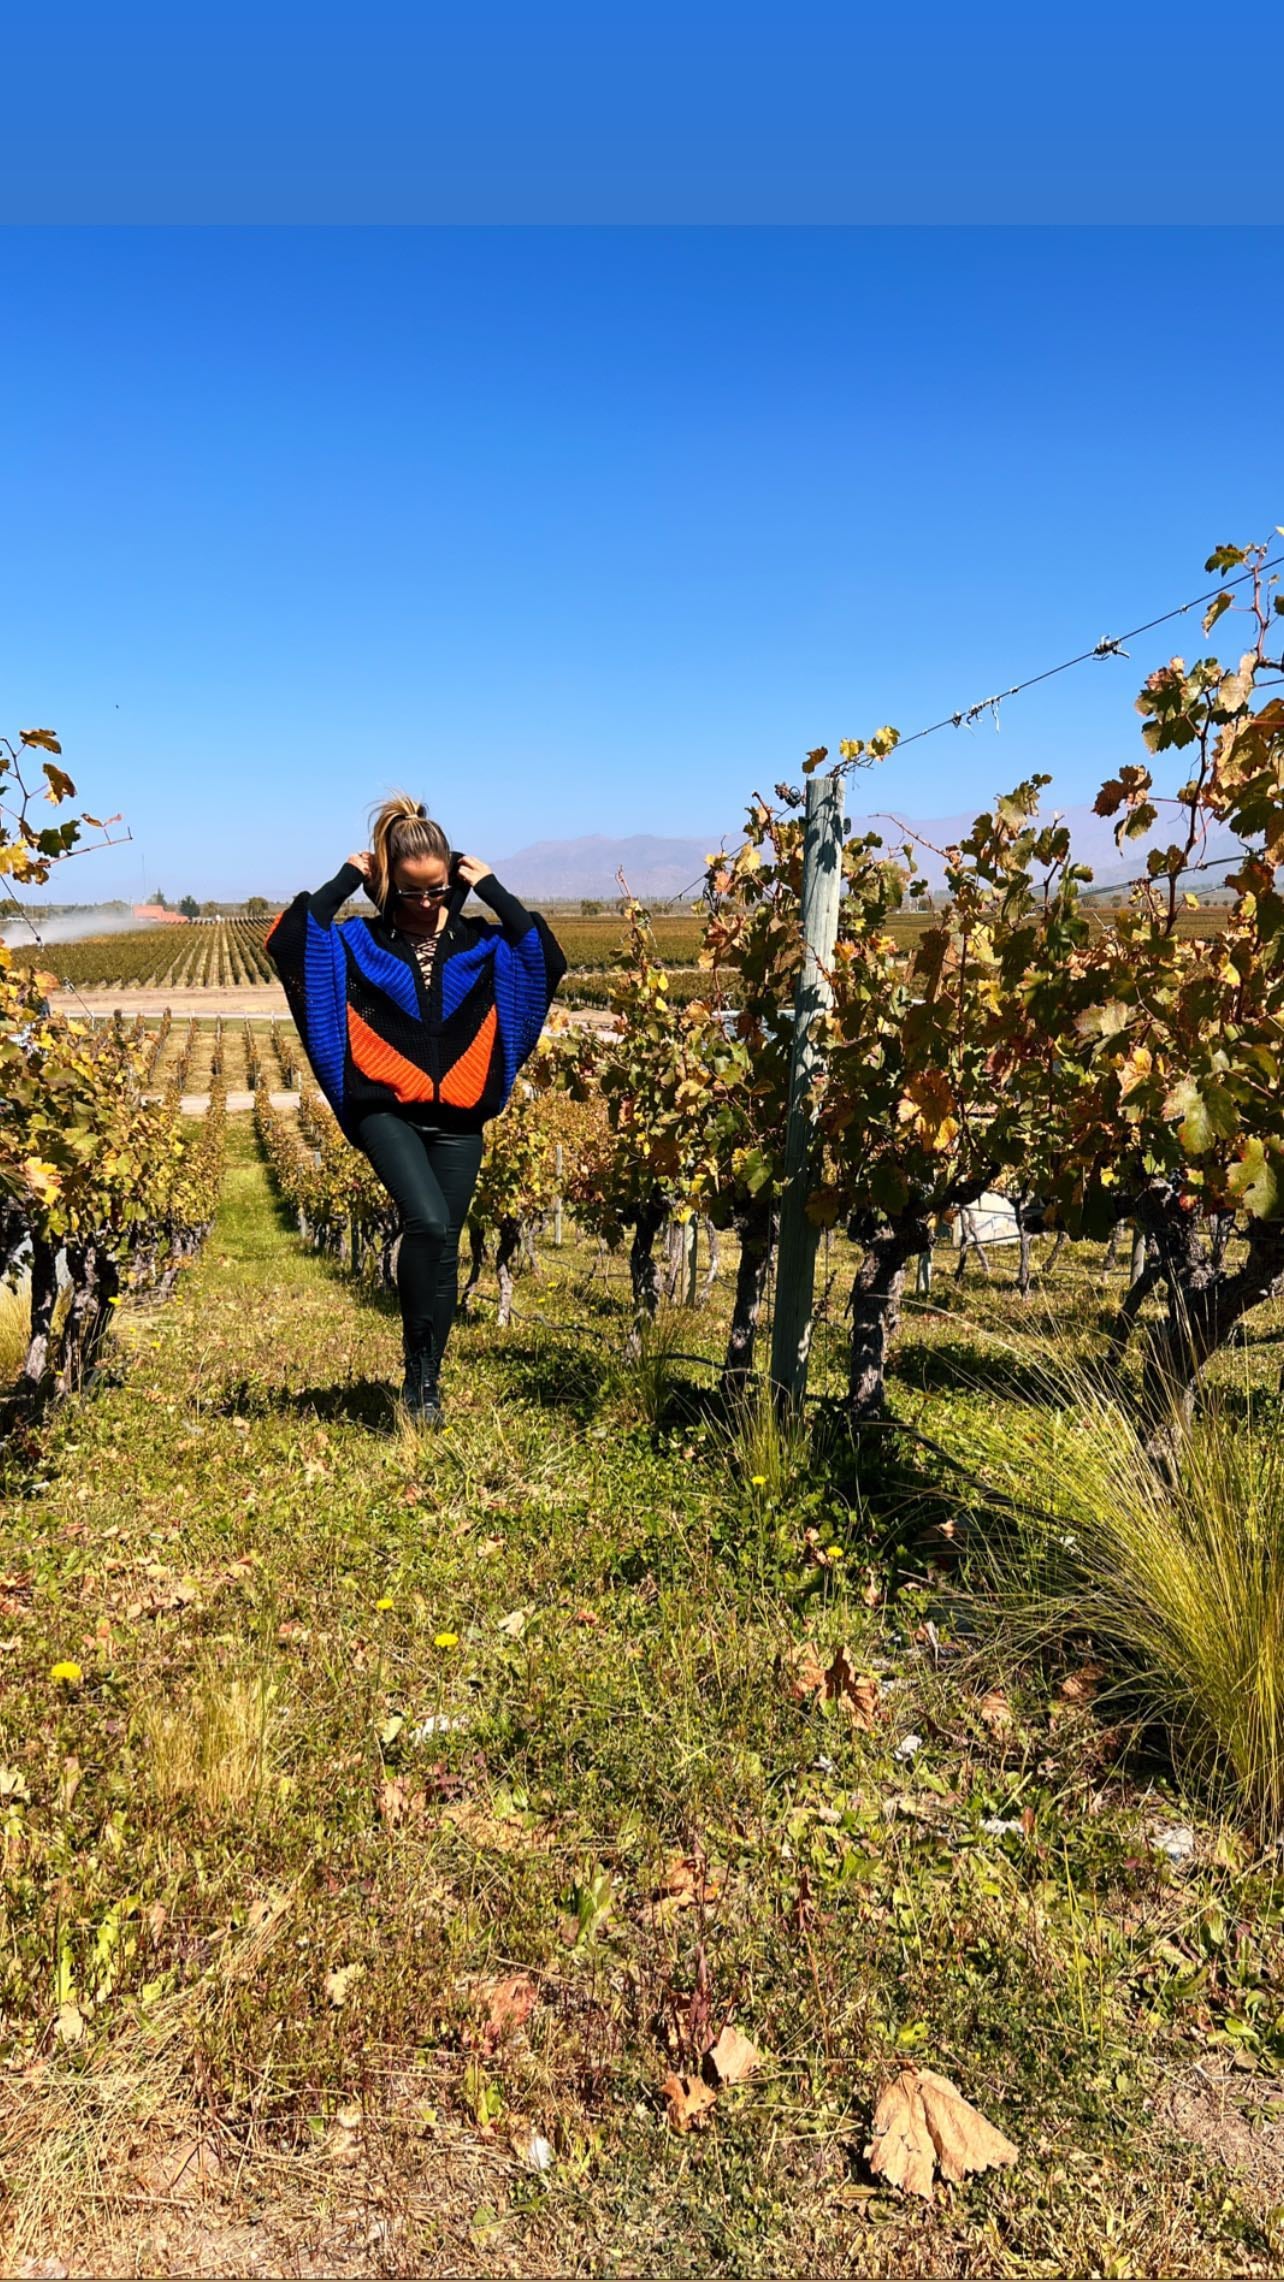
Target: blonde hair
(399,827)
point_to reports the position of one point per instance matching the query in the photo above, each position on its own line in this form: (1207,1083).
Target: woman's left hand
(470,869)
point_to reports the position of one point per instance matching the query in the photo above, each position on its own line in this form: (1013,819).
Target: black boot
(419,1389)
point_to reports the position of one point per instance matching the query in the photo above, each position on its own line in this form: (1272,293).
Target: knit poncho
(377,1039)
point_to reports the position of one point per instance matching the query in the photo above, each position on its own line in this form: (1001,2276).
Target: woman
(416,1023)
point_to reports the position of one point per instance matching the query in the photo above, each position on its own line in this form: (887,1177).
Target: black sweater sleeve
(513,916)
(331,898)
(516,921)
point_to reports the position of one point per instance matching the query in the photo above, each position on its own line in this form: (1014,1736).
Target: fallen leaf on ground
(996,1712)
(506,2005)
(686,1881)
(804,1672)
(70,2023)
(1080,1687)
(734,2057)
(506,1835)
(687,2101)
(923,2124)
(394,1800)
(339,1981)
(859,1691)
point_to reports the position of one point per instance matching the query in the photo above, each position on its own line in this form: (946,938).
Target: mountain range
(658,867)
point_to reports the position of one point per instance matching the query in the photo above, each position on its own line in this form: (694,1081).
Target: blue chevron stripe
(521,999)
(460,973)
(325,983)
(383,968)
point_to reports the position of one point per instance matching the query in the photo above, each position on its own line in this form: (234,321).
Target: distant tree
(159,897)
(256,907)
(189,907)
(209,911)
(590,907)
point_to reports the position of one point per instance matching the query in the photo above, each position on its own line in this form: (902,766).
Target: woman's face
(420,886)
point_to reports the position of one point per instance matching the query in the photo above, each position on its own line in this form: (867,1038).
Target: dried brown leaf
(996,1712)
(963,2139)
(688,2101)
(804,1673)
(1080,1687)
(922,2124)
(506,2006)
(734,2057)
(859,1691)
(900,2148)
(687,1880)
(394,1800)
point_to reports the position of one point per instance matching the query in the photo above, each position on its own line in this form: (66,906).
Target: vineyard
(548,1845)
(228,954)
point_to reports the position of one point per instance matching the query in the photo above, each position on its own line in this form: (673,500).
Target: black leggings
(430,1176)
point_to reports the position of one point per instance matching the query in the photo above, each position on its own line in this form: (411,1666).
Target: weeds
(371,1723)
(1176,1577)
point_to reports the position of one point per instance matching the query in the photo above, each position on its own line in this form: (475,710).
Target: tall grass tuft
(767,1451)
(1177,1577)
(651,1375)
(15,1312)
(217,1748)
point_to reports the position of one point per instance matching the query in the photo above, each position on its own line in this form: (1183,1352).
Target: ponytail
(400,827)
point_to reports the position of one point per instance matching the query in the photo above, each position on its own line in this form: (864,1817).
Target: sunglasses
(423,894)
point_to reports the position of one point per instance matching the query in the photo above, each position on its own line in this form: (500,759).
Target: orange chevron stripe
(377,1059)
(463,1082)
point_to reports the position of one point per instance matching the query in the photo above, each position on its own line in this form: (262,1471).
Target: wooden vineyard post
(557,1200)
(796,1256)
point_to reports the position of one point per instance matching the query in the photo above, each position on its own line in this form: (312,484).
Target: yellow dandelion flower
(67,1671)
(758,1481)
(445,1640)
(835,1553)
(385,1601)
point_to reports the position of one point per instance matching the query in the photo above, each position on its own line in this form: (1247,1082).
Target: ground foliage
(388,1819)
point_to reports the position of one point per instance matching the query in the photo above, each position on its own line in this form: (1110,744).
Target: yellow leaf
(43,1178)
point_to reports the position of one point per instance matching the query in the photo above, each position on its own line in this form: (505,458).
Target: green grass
(430,1712)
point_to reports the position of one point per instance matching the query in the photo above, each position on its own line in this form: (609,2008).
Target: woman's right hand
(361,862)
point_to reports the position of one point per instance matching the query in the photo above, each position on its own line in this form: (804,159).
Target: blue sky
(596,530)
(709,111)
